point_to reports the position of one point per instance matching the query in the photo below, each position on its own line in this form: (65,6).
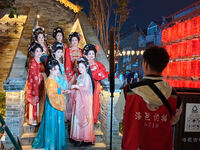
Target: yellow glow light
(137,53)
(132,52)
(124,53)
(70,5)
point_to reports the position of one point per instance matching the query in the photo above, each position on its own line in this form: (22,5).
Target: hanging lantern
(174,50)
(194,29)
(198,24)
(174,33)
(194,46)
(198,47)
(185,28)
(189,48)
(178,49)
(184,49)
(169,48)
(193,68)
(180,30)
(178,68)
(169,30)
(164,35)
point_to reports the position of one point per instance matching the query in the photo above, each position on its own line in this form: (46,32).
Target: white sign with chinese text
(192,117)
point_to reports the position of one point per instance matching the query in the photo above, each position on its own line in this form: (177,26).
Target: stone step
(97,126)
(97,146)
(27,138)
(29,128)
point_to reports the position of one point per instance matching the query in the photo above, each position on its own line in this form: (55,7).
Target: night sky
(147,10)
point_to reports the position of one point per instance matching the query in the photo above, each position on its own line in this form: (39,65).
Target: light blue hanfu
(51,134)
(62,81)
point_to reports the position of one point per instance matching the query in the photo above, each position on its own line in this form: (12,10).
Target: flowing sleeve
(33,83)
(85,97)
(100,73)
(54,94)
(68,64)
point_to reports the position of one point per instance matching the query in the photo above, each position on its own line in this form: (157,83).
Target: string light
(70,5)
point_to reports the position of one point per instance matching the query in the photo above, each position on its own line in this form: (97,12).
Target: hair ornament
(56,31)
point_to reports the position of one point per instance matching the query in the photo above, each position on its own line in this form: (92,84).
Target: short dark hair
(156,57)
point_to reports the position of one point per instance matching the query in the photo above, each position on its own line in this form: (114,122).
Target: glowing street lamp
(132,52)
(124,53)
(137,53)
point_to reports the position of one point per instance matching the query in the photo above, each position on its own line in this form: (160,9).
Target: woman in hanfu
(72,54)
(57,51)
(39,36)
(82,123)
(35,94)
(98,73)
(58,35)
(51,134)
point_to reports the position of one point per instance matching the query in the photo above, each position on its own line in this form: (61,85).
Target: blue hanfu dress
(51,134)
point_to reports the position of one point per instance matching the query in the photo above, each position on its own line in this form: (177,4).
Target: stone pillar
(14,87)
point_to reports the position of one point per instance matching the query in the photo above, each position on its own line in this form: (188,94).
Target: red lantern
(193,71)
(188,69)
(179,49)
(179,30)
(169,49)
(174,50)
(169,32)
(198,47)
(174,33)
(194,29)
(184,68)
(164,35)
(189,48)
(194,46)
(198,68)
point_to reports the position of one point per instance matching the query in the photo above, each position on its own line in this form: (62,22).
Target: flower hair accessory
(85,61)
(74,34)
(38,30)
(97,47)
(89,47)
(57,30)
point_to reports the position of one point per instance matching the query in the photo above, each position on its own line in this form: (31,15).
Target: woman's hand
(66,91)
(75,87)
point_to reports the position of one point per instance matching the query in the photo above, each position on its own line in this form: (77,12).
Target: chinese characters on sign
(192,117)
(151,121)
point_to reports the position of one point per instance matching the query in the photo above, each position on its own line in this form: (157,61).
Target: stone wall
(105,119)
